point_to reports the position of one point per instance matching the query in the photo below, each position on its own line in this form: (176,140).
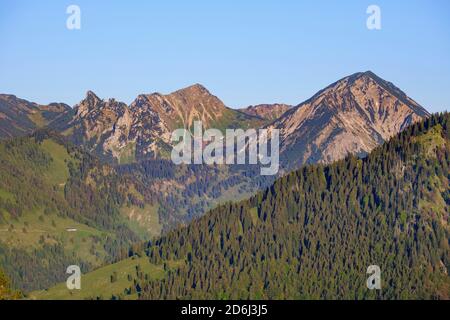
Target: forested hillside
(315,231)
(59,206)
(185,192)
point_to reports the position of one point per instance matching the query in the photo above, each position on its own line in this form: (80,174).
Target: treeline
(314,232)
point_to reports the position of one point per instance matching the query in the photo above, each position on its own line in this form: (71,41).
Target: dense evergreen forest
(315,231)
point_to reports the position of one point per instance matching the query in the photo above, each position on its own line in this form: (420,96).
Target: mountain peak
(196,88)
(90,100)
(91,95)
(363,84)
(369,73)
(366,75)
(352,115)
(87,104)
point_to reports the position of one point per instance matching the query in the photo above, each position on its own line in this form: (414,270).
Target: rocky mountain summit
(352,115)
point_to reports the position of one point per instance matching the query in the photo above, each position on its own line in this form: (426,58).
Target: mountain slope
(118,280)
(314,233)
(59,206)
(156,116)
(49,187)
(353,115)
(19,117)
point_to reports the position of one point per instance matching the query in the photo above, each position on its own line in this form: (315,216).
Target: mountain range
(143,129)
(103,167)
(352,115)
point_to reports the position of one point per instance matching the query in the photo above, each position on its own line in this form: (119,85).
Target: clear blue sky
(245,52)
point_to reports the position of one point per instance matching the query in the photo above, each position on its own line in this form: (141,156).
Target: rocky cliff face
(101,126)
(143,129)
(353,115)
(182,107)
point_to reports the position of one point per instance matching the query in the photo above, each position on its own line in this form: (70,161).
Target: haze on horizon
(245,53)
